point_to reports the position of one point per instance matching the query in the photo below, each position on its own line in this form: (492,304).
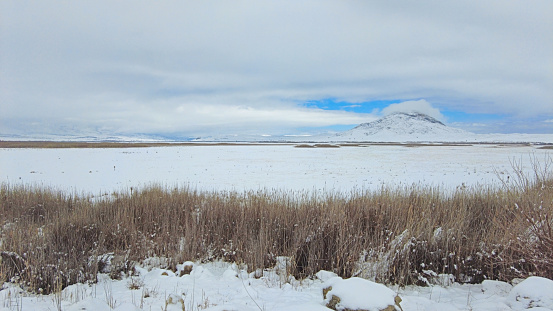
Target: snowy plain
(272,166)
(226,286)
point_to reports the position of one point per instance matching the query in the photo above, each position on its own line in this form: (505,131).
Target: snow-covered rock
(532,293)
(359,294)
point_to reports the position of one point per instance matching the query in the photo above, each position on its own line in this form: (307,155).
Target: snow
(224,286)
(254,167)
(496,287)
(325,275)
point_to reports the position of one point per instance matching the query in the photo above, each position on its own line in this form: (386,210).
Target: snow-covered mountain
(404,127)
(397,127)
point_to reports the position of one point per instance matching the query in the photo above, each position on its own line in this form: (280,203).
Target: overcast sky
(272,67)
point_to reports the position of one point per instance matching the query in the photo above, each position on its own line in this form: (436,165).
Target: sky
(193,68)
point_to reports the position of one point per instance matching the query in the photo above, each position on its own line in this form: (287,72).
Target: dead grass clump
(326,146)
(410,235)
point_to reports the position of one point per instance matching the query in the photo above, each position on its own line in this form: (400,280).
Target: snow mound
(358,294)
(533,293)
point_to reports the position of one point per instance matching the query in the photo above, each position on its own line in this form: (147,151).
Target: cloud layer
(207,66)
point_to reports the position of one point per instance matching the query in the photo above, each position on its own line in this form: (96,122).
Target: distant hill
(404,127)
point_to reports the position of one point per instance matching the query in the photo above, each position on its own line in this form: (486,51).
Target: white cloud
(202,118)
(420,106)
(257,118)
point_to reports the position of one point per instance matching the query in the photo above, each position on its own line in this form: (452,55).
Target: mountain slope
(404,127)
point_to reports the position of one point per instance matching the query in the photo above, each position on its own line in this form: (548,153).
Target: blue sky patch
(363,107)
(460,116)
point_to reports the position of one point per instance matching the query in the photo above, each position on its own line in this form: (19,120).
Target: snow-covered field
(224,286)
(264,167)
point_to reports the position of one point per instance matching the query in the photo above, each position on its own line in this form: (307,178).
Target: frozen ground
(263,167)
(221,286)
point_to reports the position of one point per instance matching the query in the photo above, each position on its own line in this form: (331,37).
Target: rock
(356,294)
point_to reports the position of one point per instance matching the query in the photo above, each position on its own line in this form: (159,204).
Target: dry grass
(107,144)
(52,238)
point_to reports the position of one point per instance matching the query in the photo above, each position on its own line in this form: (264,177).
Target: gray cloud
(211,65)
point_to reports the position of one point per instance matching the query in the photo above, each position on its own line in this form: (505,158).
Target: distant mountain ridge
(394,128)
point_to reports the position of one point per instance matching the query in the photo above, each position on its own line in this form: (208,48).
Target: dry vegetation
(107,144)
(50,238)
